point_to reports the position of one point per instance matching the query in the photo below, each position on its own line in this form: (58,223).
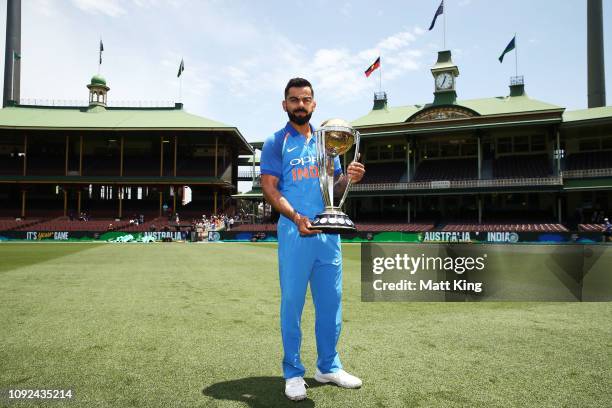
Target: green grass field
(196,325)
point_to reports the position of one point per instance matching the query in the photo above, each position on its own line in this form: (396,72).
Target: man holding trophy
(300,175)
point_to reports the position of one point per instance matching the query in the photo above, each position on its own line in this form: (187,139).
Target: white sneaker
(295,388)
(341,378)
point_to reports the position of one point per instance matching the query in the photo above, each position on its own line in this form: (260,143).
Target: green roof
(387,115)
(604,112)
(98,80)
(100,118)
(486,106)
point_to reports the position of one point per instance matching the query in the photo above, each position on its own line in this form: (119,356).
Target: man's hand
(303,224)
(355,171)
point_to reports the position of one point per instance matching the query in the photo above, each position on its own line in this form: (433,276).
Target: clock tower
(445,73)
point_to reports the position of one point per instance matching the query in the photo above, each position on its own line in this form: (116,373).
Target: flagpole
(380,76)
(515,56)
(100,56)
(181,89)
(444,31)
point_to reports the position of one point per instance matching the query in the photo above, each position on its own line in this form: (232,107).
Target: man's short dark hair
(298,83)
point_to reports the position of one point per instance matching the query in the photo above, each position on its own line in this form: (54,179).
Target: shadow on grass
(258,392)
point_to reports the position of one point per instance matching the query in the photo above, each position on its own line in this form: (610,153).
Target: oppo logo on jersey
(307,170)
(303,161)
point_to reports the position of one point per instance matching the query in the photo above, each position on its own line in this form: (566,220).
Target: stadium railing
(587,173)
(452,184)
(248,173)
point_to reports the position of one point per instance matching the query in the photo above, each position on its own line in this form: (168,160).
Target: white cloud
(110,8)
(396,41)
(44,7)
(336,73)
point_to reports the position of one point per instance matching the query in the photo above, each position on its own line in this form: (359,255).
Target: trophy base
(333,221)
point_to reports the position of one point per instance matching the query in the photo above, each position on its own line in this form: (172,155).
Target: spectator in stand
(607,232)
(231,223)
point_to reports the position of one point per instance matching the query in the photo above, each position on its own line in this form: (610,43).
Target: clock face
(444,80)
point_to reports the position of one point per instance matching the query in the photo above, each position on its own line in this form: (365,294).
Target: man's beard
(299,120)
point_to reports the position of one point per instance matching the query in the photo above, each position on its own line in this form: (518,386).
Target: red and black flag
(373,67)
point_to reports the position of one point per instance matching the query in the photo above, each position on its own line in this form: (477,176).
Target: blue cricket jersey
(288,156)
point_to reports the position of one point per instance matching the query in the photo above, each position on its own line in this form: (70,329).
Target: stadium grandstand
(505,163)
(509,162)
(61,165)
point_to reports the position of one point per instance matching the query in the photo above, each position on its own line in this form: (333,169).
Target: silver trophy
(333,138)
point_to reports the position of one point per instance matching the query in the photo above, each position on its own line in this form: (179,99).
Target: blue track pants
(315,259)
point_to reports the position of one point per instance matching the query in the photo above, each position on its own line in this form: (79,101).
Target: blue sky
(239,54)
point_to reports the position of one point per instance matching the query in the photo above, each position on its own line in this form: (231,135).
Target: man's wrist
(295,217)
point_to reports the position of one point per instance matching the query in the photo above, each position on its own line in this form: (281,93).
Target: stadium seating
(10,166)
(8,224)
(255,227)
(101,166)
(591,227)
(506,227)
(416,227)
(64,224)
(156,224)
(98,225)
(446,169)
(531,166)
(394,172)
(589,160)
(201,167)
(140,166)
(360,227)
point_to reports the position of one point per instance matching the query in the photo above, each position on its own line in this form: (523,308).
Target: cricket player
(290,183)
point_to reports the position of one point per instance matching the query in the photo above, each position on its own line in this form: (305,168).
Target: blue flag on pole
(439,11)
(511,45)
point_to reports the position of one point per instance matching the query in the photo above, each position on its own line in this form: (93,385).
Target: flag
(439,11)
(101,49)
(16,55)
(181,68)
(373,67)
(511,45)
